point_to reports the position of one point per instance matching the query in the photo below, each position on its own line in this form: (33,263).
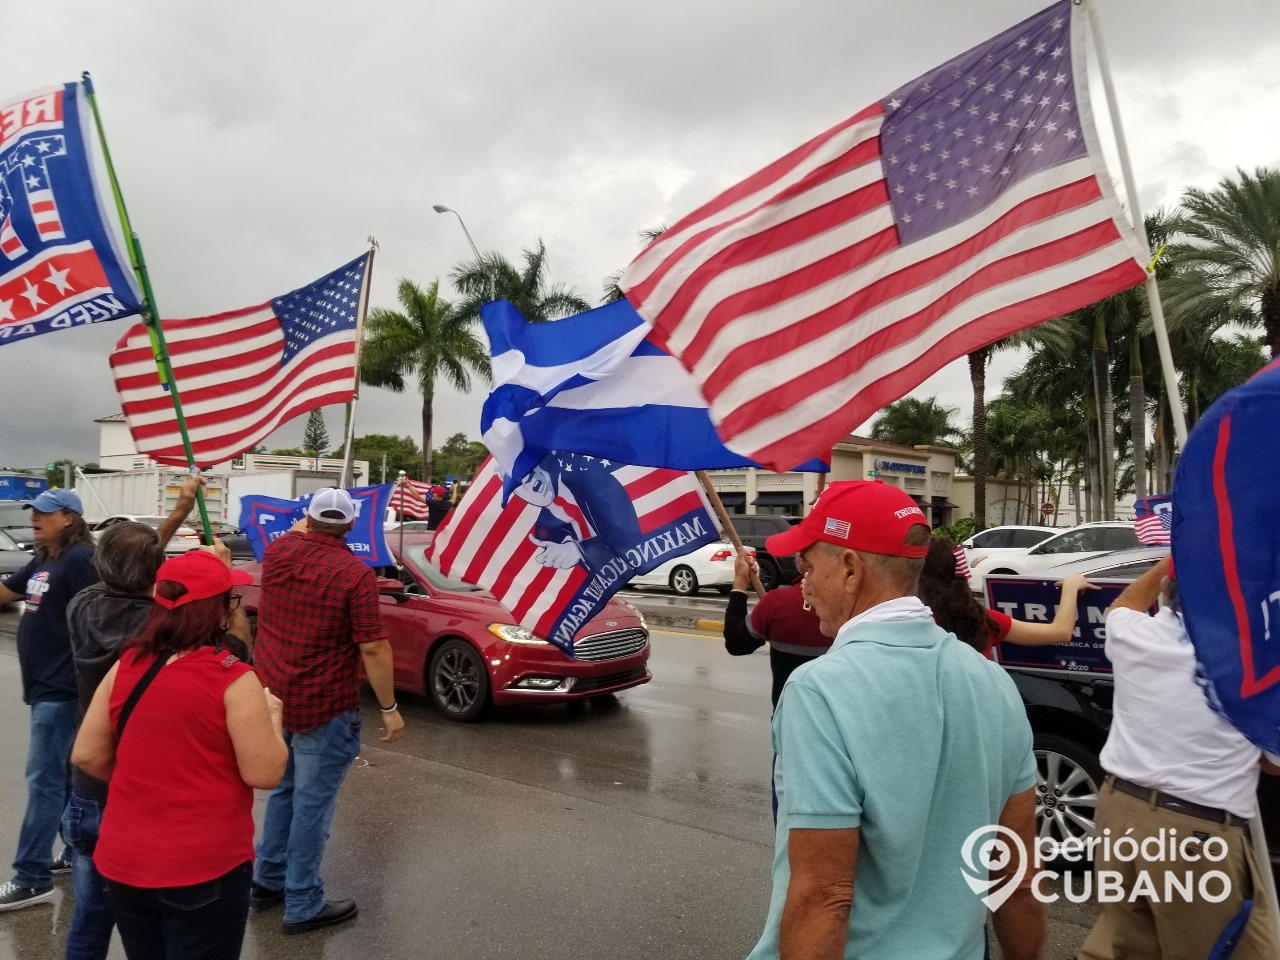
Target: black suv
(754,530)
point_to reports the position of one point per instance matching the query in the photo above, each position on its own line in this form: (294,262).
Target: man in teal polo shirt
(893,749)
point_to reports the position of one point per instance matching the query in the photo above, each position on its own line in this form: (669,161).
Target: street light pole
(441,208)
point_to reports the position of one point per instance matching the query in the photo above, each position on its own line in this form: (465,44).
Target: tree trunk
(1106,425)
(1271,319)
(1137,416)
(428,396)
(1158,484)
(978,379)
(1075,486)
(1092,494)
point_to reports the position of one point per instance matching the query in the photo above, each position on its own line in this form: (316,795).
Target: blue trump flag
(62,264)
(592,384)
(264,519)
(1226,551)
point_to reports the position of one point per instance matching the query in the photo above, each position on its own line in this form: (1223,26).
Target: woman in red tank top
(956,609)
(184,732)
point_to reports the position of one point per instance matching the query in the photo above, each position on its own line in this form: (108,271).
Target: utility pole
(66,474)
(384,466)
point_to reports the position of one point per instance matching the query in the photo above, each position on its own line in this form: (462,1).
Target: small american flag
(963,570)
(240,375)
(1155,520)
(625,520)
(966,205)
(412,506)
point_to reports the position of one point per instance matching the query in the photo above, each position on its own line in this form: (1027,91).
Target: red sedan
(455,643)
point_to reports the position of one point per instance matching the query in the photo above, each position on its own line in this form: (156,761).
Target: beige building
(927,473)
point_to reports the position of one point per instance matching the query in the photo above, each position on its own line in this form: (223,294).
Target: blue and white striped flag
(592,384)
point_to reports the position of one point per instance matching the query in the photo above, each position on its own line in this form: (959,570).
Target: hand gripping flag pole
(150,315)
(348,463)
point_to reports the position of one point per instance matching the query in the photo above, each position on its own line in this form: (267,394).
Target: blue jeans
(300,813)
(53,730)
(204,921)
(92,922)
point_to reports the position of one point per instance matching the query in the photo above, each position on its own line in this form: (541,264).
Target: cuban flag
(265,519)
(573,532)
(593,384)
(63,261)
(1226,548)
(1155,519)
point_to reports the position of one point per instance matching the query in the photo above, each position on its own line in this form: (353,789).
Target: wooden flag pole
(150,315)
(348,462)
(727,526)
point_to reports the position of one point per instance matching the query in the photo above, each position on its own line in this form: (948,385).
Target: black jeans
(204,921)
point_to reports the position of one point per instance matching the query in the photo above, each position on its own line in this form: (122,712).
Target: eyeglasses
(235,600)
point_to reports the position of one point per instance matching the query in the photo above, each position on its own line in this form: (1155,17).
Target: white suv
(1001,540)
(1078,543)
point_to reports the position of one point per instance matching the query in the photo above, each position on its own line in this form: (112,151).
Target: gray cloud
(259,143)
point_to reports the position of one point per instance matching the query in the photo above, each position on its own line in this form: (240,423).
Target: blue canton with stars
(319,309)
(956,138)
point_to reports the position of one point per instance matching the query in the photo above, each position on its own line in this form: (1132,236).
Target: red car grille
(610,646)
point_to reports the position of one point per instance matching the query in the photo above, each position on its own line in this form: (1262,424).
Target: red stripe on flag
(460,523)
(671,511)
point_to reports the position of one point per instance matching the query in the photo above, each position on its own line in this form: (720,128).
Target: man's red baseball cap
(203,574)
(867,515)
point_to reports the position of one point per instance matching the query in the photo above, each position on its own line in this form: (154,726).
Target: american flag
(240,375)
(963,570)
(411,506)
(1155,520)
(492,545)
(966,205)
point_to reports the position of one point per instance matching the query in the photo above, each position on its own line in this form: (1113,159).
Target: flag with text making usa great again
(967,204)
(62,257)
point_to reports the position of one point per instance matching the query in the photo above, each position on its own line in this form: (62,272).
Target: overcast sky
(258,144)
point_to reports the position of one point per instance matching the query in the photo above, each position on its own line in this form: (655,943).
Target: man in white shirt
(1178,772)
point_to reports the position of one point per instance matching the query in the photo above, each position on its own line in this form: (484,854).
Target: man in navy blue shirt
(61,568)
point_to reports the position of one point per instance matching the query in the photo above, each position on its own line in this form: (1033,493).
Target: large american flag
(410,505)
(485,542)
(240,375)
(966,205)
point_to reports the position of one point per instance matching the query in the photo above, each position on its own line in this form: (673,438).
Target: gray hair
(129,555)
(900,572)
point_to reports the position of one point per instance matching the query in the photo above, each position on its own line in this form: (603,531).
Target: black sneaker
(333,912)
(14,897)
(62,864)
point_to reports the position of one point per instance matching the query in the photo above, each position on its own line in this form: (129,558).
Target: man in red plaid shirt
(318,620)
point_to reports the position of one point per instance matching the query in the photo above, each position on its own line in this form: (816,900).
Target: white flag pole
(1257,835)
(1167,368)
(348,464)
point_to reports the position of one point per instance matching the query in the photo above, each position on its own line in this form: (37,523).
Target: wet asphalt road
(633,827)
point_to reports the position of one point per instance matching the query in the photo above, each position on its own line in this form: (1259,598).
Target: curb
(694,623)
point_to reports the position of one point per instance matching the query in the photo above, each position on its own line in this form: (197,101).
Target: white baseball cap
(331,505)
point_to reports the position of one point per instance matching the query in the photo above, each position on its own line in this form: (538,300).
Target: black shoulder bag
(138,690)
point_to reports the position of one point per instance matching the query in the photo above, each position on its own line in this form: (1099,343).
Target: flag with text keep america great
(62,261)
(966,205)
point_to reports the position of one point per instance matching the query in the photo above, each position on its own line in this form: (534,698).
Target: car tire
(457,681)
(770,577)
(684,581)
(723,589)
(1068,777)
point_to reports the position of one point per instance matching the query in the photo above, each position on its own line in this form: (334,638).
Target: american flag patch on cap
(836,528)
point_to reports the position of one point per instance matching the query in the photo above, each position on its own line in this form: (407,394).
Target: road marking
(679,633)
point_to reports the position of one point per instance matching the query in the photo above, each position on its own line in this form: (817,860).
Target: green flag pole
(150,315)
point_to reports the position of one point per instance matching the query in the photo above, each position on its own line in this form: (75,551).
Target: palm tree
(427,337)
(612,291)
(527,286)
(910,421)
(1228,260)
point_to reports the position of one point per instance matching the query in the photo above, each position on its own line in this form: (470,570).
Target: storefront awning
(944,503)
(779,498)
(733,499)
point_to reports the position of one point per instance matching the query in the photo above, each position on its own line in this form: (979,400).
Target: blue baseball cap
(52,501)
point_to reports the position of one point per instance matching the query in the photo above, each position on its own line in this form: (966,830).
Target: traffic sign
(873,473)
(1047,508)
